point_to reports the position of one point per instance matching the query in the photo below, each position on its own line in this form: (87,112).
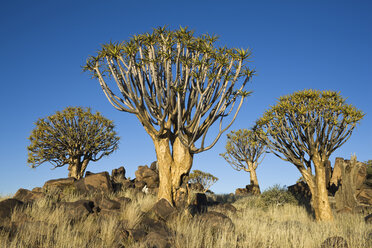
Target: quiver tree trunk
(174,165)
(77,168)
(254,183)
(319,193)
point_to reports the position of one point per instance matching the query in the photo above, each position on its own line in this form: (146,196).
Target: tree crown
(74,133)
(243,147)
(176,83)
(308,122)
(204,178)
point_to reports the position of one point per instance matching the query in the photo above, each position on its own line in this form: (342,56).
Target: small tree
(75,137)
(178,85)
(305,128)
(243,150)
(204,178)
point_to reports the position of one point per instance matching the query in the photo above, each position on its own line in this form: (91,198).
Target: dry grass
(281,226)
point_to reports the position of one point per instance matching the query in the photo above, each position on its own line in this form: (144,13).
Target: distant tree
(204,178)
(73,136)
(305,128)
(243,151)
(177,85)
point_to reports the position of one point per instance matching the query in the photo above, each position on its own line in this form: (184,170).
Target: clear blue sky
(324,45)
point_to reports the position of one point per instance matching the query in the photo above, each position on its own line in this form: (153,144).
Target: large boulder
(28,196)
(99,182)
(147,175)
(7,207)
(77,210)
(301,192)
(60,183)
(241,192)
(156,239)
(198,203)
(103,202)
(118,174)
(161,210)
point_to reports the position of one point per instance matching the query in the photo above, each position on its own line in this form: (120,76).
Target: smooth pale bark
(318,188)
(77,168)
(174,165)
(254,182)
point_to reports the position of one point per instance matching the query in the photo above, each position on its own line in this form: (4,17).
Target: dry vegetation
(283,225)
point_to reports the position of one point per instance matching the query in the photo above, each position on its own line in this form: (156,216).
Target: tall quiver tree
(73,137)
(305,128)
(243,151)
(177,85)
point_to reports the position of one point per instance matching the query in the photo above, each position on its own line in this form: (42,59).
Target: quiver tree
(73,136)
(177,85)
(243,151)
(204,178)
(305,128)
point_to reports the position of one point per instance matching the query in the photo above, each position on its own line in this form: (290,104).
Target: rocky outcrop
(117,175)
(60,183)
(148,176)
(27,196)
(99,182)
(7,207)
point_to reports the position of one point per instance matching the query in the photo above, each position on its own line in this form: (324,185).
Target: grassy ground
(279,225)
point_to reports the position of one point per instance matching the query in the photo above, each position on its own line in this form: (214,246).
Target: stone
(98,182)
(364,196)
(161,210)
(216,221)
(137,234)
(224,208)
(154,166)
(241,192)
(37,189)
(7,207)
(59,183)
(127,184)
(199,203)
(334,242)
(103,202)
(301,192)
(77,210)
(88,173)
(150,177)
(157,240)
(118,174)
(27,196)
(336,174)
(123,200)
(139,184)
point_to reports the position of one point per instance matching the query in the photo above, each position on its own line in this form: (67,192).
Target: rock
(301,192)
(37,189)
(336,174)
(118,174)
(7,207)
(157,240)
(334,242)
(78,209)
(161,210)
(253,189)
(154,166)
(139,184)
(88,173)
(365,196)
(27,196)
(241,192)
(216,221)
(99,182)
(103,202)
(59,183)
(368,219)
(127,184)
(224,208)
(199,203)
(123,200)
(137,234)
(150,177)
(350,181)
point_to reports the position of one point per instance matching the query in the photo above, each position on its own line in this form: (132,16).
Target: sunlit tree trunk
(77,168)
(254,182)
(174,164)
